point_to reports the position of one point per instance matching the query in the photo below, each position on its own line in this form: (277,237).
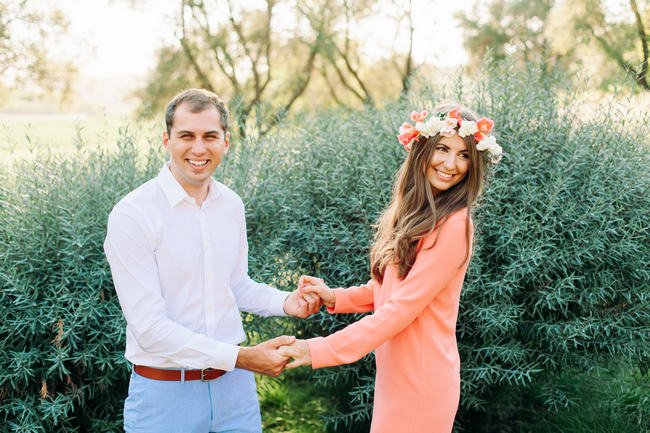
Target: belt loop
(182,375)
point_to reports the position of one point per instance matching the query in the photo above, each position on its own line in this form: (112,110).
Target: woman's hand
(299,351)
(309,286)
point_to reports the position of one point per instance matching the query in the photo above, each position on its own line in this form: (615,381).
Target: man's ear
(165,140)
(227,140)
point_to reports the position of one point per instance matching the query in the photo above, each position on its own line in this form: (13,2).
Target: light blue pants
(227,404)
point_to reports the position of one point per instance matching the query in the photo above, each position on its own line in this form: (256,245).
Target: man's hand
(300,305)
(265,358)
(299,351)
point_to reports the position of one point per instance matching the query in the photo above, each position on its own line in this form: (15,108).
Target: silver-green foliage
(62,365)
(559,279)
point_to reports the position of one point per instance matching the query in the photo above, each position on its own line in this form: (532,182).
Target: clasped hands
(271,357)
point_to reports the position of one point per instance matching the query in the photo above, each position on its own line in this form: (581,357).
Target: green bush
(558,283)
(62,365)
(559,276)
(605,402)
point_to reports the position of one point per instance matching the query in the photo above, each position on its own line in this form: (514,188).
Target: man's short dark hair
(197,100)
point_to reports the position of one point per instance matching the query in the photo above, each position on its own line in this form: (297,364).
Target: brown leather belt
(162,374)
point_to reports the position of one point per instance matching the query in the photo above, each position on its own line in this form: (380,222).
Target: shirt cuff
(226,356)
(276,302)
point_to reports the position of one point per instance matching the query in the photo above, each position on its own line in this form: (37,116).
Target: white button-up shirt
(181,275)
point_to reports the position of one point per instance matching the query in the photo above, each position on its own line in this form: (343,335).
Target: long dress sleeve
(435,266)
(357,299)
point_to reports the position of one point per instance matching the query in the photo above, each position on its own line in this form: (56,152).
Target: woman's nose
(450,161)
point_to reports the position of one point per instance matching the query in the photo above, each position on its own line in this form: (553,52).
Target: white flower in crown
(493,147)
(448,130)
(484,144)
(432,126)
(496,153)
(467,127)
(489,143)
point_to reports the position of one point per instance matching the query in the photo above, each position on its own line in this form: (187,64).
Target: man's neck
(199,193)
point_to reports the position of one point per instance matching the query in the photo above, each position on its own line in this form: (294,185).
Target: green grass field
(23,135)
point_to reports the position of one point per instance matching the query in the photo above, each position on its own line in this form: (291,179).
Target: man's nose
(198,147)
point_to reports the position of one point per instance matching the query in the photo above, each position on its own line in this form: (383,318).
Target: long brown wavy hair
(415,209)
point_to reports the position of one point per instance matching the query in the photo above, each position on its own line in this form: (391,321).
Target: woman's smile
(443,175)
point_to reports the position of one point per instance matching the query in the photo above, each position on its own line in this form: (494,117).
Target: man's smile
(197,163)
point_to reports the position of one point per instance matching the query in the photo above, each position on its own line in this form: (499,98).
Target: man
(178,253)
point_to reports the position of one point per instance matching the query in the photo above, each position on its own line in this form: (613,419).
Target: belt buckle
(203,374)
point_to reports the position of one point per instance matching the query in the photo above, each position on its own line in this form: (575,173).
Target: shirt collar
(175,193)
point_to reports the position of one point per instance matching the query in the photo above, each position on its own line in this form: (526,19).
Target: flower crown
(447,124)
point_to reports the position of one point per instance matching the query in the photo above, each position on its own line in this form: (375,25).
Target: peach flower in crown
(448,124)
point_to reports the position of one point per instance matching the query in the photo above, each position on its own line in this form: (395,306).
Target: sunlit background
(554,318)
(89,63)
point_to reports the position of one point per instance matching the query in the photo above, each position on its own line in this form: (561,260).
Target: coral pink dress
(413,334)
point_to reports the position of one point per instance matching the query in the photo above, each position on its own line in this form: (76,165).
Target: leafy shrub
(62,365)
(558,282)
(559,276)
(606,402)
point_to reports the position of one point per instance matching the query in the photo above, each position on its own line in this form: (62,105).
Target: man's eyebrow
(212,131)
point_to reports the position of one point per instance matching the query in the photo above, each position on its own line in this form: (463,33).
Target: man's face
(196,143)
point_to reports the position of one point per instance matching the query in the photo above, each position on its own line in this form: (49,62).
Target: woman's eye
(464,155)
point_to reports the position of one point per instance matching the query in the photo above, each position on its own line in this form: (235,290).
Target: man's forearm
(264,358)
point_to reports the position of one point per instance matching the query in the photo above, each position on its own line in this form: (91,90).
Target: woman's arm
(357,299)
(433,269)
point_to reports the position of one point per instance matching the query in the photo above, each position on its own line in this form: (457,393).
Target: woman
(418,262)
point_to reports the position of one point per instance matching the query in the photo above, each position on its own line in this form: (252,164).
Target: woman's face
(449,163)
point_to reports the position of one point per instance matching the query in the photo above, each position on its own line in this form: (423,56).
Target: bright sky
(124,37)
